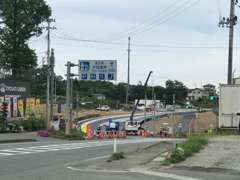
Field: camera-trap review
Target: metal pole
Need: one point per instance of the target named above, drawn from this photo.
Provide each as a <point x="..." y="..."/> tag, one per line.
<point x="145" y="106"/>
<point x="114" y="145"/>
<point x="68" y="93"/>
<point x="77" y="104"/>
<point x="128" y="74"/>
<point x="231" y="32"/>
<point x="174" y="96"/>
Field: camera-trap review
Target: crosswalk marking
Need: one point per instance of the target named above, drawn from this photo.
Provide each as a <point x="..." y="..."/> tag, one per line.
<point x="68" y="146"/>
<point x="6" y="154"/>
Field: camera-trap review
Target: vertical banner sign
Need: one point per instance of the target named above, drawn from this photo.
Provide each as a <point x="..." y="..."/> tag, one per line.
<point x="15" y="109"/>
<point x="59" y="107"/>
<point x="32" y="105"/>
<point x="20" y="107"/>
<point x="8" y="101"/>
<point x="27" y="107"/>
<point x="37" y="106"/>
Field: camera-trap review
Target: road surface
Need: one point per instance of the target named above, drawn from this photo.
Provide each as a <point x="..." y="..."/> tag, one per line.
<point x="48" y="160"/>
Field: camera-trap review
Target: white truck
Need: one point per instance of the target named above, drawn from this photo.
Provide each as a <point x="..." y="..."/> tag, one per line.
<point x="229" y="106"/>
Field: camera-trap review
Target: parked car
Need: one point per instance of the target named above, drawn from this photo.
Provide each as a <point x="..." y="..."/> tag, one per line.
<point x="103" y="108"/>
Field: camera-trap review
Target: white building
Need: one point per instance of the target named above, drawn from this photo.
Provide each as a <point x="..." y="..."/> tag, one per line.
<point x="197" y="93"/>
<point x="149" y="104"/>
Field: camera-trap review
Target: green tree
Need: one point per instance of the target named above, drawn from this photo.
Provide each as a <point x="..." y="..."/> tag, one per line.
<point x="177" y="88"/>
<point x="21" y="20"/>
<point x="3" y="115"/>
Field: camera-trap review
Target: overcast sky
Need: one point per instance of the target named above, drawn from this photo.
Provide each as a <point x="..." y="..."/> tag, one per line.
<point x="169" y="29"/>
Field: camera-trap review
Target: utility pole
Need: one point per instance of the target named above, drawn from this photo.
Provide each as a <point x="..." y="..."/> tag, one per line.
<point x="128" y="73"/>
<point x="52" y="64"/>
<point x="174" y="102"/>
<point x="48" y="28"/>
<point x="230" y="22"/>
<point x="68" y="111"/>
<point x="68" y="94"/>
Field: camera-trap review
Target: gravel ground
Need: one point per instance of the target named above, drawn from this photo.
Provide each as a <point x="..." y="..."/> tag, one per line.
<point x="222" y="152"/>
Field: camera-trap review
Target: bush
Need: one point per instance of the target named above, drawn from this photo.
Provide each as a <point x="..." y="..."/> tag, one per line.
<point x="75" y="135"/>
<point x="34" y="124"/>
<point x="186" y="149"/>
<point x="117" y="156"/>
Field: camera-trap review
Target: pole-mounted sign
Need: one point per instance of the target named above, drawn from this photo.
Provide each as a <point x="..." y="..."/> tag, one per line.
<point x="97" y="70"/>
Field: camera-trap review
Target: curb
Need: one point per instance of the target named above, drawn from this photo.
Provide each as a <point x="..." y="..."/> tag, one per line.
<point x="16" y="141"/>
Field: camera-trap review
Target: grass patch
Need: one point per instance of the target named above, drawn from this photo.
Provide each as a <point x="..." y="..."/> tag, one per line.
<point x="227" y="132"/>
<point x="188" y="148"/>
<point x="116" y="157"/>
<point x="74" y="135"/>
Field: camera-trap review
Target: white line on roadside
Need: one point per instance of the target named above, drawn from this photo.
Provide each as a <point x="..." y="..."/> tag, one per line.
<point x="96" y="170"/>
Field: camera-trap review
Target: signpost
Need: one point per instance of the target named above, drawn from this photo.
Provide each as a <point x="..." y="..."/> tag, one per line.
<point x="95" y="70"/>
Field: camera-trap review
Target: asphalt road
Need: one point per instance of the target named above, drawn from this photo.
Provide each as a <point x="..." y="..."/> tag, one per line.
<point x="48" y="160"/>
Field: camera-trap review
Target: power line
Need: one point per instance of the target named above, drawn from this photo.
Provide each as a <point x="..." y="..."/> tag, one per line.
<point x="150" y="18"/>
<point x="140" y="45"/>
<point x="177" y="12"/>
<point x="171" y="14"/>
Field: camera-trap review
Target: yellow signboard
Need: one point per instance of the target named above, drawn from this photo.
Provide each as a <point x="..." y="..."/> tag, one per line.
<point x="32" y="105"/>
<point x="20" y="107"/>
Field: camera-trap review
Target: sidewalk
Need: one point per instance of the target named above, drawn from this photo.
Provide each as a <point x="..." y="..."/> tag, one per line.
<point x="222" y="152"/>
<point x="25" y="135"/>
<point x="133" y="159"/>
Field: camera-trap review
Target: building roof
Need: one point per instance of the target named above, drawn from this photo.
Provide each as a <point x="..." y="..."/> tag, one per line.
<point x="209" y="85"/>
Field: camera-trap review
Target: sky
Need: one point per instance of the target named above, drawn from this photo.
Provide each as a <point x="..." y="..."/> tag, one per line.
<point x="177" y="39"/>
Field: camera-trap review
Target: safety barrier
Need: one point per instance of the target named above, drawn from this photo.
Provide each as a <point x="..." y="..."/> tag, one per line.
<point x="110" y="134"/>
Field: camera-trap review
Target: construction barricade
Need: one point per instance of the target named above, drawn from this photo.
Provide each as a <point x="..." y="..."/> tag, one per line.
<point x="110" y="134"/>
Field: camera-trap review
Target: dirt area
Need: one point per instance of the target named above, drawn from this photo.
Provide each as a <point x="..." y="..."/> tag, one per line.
<point x="156" y="125"/>
<point x="222" y="152"/>
<point x="205" y="120"/>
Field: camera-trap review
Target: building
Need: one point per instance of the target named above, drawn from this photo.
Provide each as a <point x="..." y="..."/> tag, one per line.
<point x="99" y="96"/>
<point x="210" y="89"/>
<point x="236" y="80"/>
<point x="196" y="94"/>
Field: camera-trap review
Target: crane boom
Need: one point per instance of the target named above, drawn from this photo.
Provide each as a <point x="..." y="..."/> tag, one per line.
<point x="138" y="100"/>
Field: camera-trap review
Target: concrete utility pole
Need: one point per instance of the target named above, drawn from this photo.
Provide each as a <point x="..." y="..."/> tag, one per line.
<point x="68" y="111"/>
<point x="230" y="22"/>
<point x="68" y="94"/>
<point x="128" y="75"/>
<point x="52" y="76"/>
<point x="230" y="51"/>
<point x="49" y="28"/>
<point x="174" y="102"/>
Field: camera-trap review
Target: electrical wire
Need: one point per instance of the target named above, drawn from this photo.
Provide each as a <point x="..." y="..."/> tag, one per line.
<point x="146" y="21"/>
<point x="140" y="45"/>
<point x="170" y="14"/>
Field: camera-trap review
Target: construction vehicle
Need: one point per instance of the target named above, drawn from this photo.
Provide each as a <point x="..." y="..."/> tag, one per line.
<point x="131" y="126"/>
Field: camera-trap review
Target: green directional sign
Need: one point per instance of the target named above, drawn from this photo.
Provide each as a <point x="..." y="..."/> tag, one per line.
<point x="211" y="98"/>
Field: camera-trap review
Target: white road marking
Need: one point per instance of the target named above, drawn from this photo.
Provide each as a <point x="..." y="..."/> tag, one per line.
<point x="15" y="151"/>
<point x="96" y="170"/>
<point x="6" y="154"/>
<point x="161" y="174"/>
<point x="72" y="146"/>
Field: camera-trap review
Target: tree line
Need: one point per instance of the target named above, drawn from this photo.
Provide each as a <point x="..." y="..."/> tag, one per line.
<point x="20" y="20"/>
